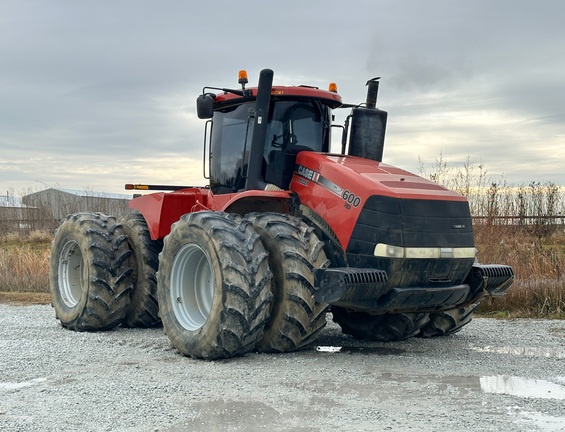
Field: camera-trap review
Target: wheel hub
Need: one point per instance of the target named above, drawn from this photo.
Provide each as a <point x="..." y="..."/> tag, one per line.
<point x="192" y="287"/>
<point x="70" y="275"/>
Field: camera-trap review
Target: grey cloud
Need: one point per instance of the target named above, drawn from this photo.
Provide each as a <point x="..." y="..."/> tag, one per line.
<point x="121" y="78"/>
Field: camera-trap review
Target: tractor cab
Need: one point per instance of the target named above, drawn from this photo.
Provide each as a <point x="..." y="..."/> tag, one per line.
<point x="292" y="120"/>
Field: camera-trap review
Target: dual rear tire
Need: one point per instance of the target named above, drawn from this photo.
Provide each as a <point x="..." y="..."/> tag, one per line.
<point x="102" y="272"/>
<point x="90" y="272"/>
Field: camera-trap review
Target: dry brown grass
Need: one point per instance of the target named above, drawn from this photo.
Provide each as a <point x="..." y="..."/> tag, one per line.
<point x="24" y="298"/>
<point x="538" y="262"/>
<point x="24" y="263"/>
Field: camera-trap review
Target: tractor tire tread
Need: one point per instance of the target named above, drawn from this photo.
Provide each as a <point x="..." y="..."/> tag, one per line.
<point x="105" y="296"/>
<point x="386" y="327"/>
<point x="237" y="326"/>
<point x="144" y="307"/>
<point x="449" y="322"/>
<point x="294" y="253"/>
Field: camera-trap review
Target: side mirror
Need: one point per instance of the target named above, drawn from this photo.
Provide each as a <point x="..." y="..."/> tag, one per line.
<point x="205" y="106"/>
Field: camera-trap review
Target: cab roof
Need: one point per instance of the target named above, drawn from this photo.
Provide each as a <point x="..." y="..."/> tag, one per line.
<point x="283" y="92"/>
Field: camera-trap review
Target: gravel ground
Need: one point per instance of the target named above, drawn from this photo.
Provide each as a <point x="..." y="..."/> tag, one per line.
<point x="492" y="376"/>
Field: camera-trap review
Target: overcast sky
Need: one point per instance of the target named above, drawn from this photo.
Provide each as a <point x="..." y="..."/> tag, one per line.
<point x="96" y="94"/>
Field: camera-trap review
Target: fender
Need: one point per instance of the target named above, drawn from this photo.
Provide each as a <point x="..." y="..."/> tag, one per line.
<point x="161" y="209"/>
<point x="254" y="200"/>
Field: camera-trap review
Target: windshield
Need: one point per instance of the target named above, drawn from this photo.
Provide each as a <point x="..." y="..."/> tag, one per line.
<point x="231" y="140"/>
<point x="294" y="126"/>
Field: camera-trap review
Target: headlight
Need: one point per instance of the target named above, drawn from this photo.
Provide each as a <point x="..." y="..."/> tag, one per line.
<point x="390" y="251"/>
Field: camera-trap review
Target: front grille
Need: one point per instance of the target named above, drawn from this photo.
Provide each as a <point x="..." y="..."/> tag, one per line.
<point x="411" y="223"/>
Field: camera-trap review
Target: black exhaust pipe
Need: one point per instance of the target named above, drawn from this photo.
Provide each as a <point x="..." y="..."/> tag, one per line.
<point x="368" y="126"/>
<point x="254" y="180"/>
<point x="372" y="92"/>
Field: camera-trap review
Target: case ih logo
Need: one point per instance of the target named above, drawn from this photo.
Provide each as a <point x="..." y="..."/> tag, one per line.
<point x="307" y="173"/>
<point x="349" y="197"/>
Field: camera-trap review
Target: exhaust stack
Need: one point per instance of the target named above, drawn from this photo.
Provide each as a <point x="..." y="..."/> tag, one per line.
<point x="372" y="92"/>
<point x="368" y="125"/>
<point x="254" y="179"/>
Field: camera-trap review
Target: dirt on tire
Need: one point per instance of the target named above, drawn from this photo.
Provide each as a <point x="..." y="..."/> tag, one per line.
<point x="143" y="310"/>
<point x="294" y="253"/>
<point x="218" y="307"/>
<point x="89" y="272"/>
<point x="386" y="327"/>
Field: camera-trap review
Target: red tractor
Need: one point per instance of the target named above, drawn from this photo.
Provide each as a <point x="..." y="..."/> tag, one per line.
<point x="285" y="232"/>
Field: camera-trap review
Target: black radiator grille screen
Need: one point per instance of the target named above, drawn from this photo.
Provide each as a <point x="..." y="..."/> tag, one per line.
<point x="411" y="223"/>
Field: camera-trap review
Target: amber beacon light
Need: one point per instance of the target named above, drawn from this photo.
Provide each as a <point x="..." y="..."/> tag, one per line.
<point x="242" y="79"/>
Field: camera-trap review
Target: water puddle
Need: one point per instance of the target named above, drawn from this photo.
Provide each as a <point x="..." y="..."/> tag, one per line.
<point x="557" y="353"/>
<point x="544" y="422"/>
<point x="522" y="387"/>
<point x="361" y="350"/>
<point x="495" y="384"/>
<point x="16" y="386"/>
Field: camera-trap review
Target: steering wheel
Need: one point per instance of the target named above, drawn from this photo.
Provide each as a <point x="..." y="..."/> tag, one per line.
<point x="292" y="140"/>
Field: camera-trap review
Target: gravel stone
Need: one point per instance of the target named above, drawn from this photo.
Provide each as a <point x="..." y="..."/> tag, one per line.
<point x="494" y="375"/>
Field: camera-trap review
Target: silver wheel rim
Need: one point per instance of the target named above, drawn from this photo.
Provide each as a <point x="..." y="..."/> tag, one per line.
<point x="71" y="276"/>
<point x="192" y="287"/>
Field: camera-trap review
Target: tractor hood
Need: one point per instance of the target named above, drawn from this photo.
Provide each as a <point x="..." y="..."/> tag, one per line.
<point x="338" y="188"/>
<point x="366" y="177"/>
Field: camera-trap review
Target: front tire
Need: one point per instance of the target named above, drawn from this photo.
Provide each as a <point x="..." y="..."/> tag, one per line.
<point x="213" y="285"/>
<point x="294" y="253"/>
<point x="386" y="327"/>
<point x="449" y="321"/>
<point x="89" y="272"/>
